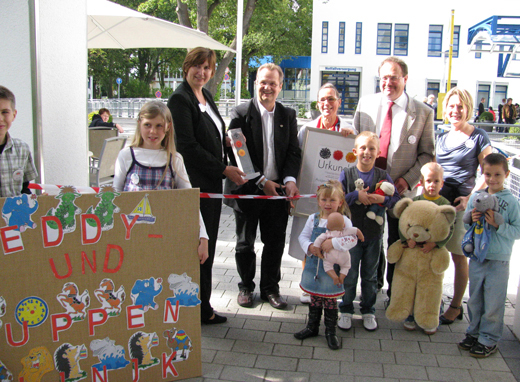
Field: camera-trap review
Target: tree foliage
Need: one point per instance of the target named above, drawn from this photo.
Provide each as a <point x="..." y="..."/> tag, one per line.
<point x="278" y="28"/>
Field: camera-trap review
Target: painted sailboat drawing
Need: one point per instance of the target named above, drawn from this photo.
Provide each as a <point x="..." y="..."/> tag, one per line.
<point x="143" y="211"/>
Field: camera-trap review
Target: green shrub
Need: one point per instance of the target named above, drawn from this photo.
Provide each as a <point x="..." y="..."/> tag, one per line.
<point x="314" y="105"/>
<point x="136" y="89"/>
<point x="514" y="130"/>
<point x="301" y="110"/>
<point x="486" y="117"/>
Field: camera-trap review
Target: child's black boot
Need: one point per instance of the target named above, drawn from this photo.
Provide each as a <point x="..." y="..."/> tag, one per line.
<point x="331" y="319"/>
<point x="313" y="326"/>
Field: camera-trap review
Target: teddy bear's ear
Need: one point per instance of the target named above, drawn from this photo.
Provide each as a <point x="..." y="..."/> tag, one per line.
<point x="401" y="205"/>
<point x="449" y="213"/>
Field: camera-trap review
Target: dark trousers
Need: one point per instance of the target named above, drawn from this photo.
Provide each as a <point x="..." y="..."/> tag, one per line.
<point x="210" y="209"/>
<point x="272" y="216"/>
<point x="393" y="236"/>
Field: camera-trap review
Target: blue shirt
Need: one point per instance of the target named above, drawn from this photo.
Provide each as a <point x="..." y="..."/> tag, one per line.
<point x="460" y="163"/>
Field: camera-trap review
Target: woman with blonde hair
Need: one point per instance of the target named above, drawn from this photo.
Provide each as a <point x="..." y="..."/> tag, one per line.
<point x="460" y="152"/>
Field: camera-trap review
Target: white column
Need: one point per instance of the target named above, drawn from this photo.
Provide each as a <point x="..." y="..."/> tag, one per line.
<point x="44" y="62"/>
<point x="61" y="45"/>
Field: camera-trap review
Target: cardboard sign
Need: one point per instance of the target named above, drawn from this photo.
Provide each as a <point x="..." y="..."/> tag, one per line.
<point x="100" y="287"/>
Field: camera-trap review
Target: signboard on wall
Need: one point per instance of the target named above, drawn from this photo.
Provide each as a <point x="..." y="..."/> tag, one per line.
<point x="100" y="287"/>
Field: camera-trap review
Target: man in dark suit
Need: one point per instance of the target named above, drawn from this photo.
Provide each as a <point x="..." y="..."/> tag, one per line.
<point x="270" y="130"/>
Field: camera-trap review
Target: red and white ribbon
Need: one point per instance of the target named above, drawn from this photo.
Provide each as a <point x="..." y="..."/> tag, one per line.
<point x="51" y="188"/>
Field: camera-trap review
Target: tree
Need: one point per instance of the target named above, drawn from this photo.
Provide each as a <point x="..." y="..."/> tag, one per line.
<point x="288" y="32"/>
<point x="204" y="14"/>
<point x="289" y="28"/>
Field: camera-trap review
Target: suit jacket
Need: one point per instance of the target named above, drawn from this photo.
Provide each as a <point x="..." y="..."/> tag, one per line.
<point x="286" y="149"/>
<point x="198" y="139"/>
<point x="417" y="141"/>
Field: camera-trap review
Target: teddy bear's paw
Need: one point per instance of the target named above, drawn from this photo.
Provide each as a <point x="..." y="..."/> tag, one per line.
<point x="440" y="262"/>
<point x="371" y="215"/>
<point x="427" y="323"/>
<point x="396" y="314"/>
<point x="380" y="220"/>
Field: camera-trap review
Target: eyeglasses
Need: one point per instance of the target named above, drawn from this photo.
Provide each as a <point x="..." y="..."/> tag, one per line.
<point x="390" y="78"/>
<point x="330" y="99"/>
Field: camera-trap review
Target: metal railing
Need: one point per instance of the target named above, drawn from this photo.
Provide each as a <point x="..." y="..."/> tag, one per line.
<point x="129" y="107"/>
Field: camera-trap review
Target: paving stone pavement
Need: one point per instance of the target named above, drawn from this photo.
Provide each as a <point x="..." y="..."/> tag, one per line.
<point x="257" y="344"/>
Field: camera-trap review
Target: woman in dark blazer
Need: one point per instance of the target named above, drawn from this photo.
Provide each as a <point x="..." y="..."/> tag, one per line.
<point x="200" y="138"/>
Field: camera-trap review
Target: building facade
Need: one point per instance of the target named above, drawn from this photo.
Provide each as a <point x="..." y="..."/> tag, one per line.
<point x="350" y="39"/>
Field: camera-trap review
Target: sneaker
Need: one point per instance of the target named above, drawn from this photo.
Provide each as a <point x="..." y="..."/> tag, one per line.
<point x="369" y="322"/>
<point x="467" y="343"/>
<point x="345" y="321"/>
<point x="482" y="351"/>
<point x="386" y="303"/>
<point x="409" y="323"/>
<point x="305" y="298"/>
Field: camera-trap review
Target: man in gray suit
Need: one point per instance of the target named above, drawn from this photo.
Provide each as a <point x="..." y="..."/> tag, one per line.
<point x="411" y="142"/>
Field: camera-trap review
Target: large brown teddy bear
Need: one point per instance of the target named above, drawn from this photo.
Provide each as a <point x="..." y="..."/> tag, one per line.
<point x="417" y="282"/>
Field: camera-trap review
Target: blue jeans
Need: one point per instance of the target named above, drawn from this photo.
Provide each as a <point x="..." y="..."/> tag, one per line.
<point x="366" y="253"/>
<point x="487" y="297"/>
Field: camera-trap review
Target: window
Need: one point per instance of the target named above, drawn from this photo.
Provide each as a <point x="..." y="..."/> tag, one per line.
<point x="433" y="88"/>
<point x="435" y="41"/>
<point x="384" y="38"/>
<point x="296" y="83"/>
<point x="348" y="84"/>
<point x="483" y="92"/>
<point x="341" y="42"/>
<point x="358" y="38"/>
<point x="500" y="94"/>
<point x="401" y="40"/>
<point x="324" y="36"/>
<point x="456" y="39"/>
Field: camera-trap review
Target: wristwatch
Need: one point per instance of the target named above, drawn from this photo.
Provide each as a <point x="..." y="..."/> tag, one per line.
<point x="261" y="183"/>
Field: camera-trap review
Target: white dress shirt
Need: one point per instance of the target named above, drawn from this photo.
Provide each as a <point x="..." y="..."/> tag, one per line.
<point x="398" y="119"/>
<point x="270" y="170"/>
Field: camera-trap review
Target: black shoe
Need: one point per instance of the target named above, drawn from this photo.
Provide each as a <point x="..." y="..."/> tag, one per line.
<point x="313" y="325"/>
<point x="446" y="321"/>
<point x="245" y="298"/>
<point x="215" y="320"/>
<point x="275" y="300"/>
<point x="467" y="343"/>
<point x="306" y="333"/>
<point x="482" y="351"/>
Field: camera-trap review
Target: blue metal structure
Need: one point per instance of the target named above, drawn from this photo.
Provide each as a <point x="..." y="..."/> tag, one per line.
<point x="498" y="34"/>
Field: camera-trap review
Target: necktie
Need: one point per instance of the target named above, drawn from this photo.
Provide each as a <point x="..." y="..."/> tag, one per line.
<point x="384" y="138"/>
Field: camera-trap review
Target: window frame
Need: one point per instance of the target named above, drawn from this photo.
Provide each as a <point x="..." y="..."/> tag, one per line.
<point x="385" y="34"/>
<point x="359" y="37"/>
<point x="324" y="37"/>
<point x="400" y="39"/>
<point x="341" y="38"/>
<point x="435" y="40"/>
